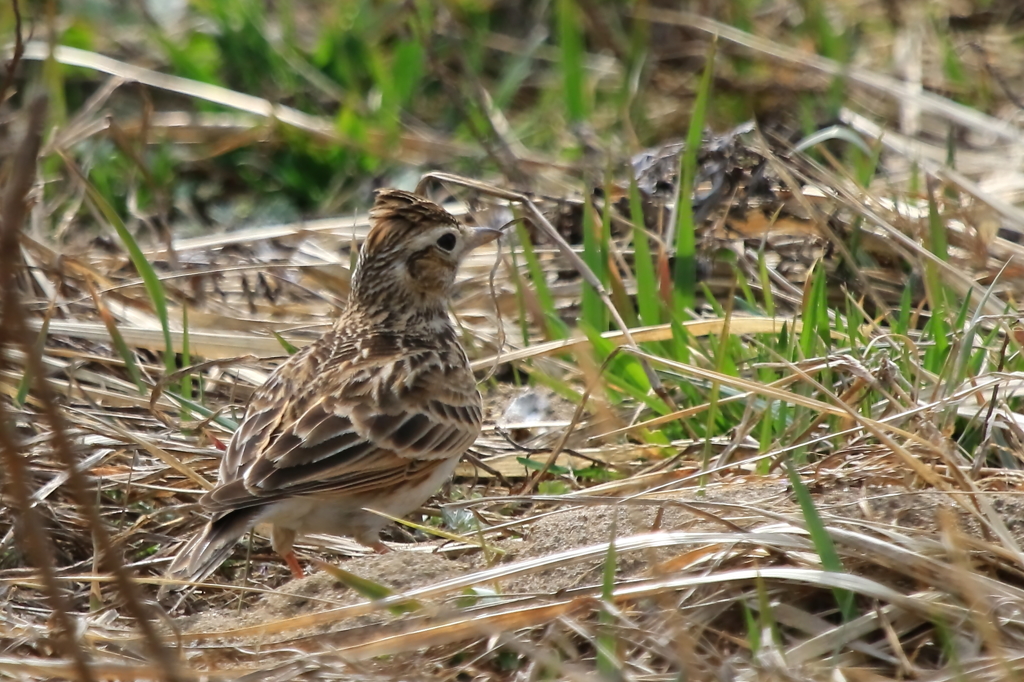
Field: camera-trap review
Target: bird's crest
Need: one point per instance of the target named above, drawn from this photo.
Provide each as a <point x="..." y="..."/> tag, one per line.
<point x="396" y="214"/>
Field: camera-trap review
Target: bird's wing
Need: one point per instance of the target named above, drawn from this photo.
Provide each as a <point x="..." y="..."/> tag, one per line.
<point x="356" y="426"/>
<point x="267" y="409"/>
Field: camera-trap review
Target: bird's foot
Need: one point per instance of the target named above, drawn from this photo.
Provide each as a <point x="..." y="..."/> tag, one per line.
<point x="293" y="564"/>
<point x="379" y="547"/>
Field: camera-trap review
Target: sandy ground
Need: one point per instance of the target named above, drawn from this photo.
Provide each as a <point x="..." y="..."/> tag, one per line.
<point x="402" y="570"/>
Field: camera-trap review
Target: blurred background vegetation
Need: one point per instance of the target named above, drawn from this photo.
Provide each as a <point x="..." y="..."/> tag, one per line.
<point x="534" y="92"/>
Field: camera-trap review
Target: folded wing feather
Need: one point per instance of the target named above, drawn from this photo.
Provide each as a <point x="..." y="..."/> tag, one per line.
<point x="366" y="439"/>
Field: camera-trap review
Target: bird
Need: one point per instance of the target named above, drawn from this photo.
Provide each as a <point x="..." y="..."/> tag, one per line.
<point x="374" y="415"/>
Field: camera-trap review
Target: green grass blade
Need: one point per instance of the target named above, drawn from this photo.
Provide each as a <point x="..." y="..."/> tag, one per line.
<point x="556" y="329"/>
<point x="902" y="323"/>
<point x="681" y="340"/>
<point x="524" y="320"/>
<point x="853" y="323"/>
<point x="37" y="351"/>
<point x="753" y="629"/>
<point x="288" y="348"/>
<point x="937" y="243"/>
<point x="570" y="43"/>
<point x="809" y="330"/>
<point x="607" y="661"/>
<point x="519" y="68"/>
<point x="769" y="624"/>
<point x="937" y="325"/>
<point x="610" y="272"/>
<point x="648" y="299"/>
<point x="821" y="310"/>
<point x="766" y="282"/>
<point x="534" y="465"/>
<point x="594" y="312"/>
<point x="822" y="540"/>
<point x="115" y="336"/>
<point x="150" y="280"/>
<point x="370" y="589"/>
<point x="186" y="378"/>
<point x="685" y="271"/>
<point x="202" y="411"/>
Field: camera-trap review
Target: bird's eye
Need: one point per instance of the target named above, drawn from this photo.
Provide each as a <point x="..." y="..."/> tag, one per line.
<point x="446" y="241"/>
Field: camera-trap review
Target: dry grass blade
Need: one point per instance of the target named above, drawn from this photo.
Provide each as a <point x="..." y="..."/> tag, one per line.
<point x="40" y="669"/>
<point x="71" y="56"/>
<point x="506" y="572"/>
<point x="208" y="344"/>
<point x="927" y="101"/>
<point x="926" y="156"/>
<point x="661" y="332"/>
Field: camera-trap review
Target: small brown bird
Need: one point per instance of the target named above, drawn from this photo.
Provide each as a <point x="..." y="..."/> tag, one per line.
<point x="373" y="415"/>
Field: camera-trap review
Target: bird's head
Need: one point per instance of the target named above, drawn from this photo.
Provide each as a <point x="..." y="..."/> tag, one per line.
<point x="411" y="254"/>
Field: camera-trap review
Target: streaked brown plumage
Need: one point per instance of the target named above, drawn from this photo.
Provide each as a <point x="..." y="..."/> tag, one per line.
<point x="375" y="414"/>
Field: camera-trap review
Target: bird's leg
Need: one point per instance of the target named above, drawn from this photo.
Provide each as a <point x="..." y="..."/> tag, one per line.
<point x="369" y="535"/>
<point x="282" y="540"/>
<point x="293" y="564"/>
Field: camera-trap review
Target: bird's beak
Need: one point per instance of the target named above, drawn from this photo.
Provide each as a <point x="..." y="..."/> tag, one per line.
<point x="479" y="236"/>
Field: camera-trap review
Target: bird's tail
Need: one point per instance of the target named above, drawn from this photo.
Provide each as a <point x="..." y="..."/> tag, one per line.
<point x="205" y="552"/>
